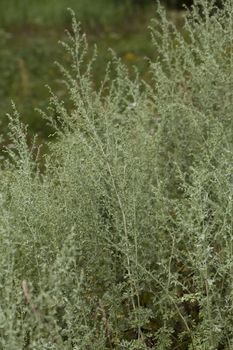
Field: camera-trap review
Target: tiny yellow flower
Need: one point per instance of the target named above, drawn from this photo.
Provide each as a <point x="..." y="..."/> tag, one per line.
<point x="130" y="56"/>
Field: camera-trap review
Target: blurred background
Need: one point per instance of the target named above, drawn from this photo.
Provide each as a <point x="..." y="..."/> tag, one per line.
<point x="29" y="35"/>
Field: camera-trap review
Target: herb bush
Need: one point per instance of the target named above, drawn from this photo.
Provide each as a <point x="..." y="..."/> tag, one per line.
<point x="123" y="238"/>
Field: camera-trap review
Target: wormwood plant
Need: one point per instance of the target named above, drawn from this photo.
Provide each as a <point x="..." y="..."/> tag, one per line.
<point x="124" y="239"/>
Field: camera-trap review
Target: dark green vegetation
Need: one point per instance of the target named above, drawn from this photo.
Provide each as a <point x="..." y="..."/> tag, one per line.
<point x="123" y="239"/>
<point x="29" y="37"/>
<point x="52" y="11"/>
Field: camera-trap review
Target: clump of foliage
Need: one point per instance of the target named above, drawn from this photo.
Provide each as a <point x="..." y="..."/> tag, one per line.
<point x="123" y="240"/>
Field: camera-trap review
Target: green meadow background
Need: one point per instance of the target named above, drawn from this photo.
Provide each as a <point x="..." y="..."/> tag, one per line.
<point x="29" y="35"/>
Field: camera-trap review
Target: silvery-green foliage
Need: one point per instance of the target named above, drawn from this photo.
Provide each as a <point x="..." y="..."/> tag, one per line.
<point x="124" y="239"/>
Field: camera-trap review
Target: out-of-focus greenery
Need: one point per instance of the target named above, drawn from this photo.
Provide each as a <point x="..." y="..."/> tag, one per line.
<point x="29" y="32"/>
<point x="21" y="12"/>
<point x="52" y="11"/>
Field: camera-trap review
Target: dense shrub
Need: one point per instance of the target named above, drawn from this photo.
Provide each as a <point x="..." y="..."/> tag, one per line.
<point x="123" y="239"/>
